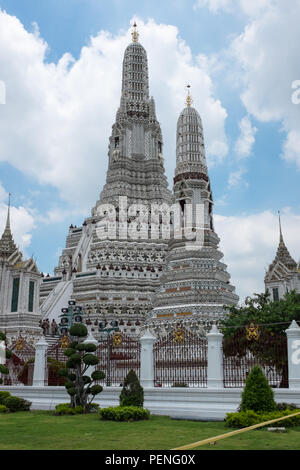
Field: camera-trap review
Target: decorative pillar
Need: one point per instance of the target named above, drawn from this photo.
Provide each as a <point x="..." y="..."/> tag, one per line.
<point x="91" y="340"/>
<point x="293" y="345"/>
<point x="215" y="358"/>
<point x="147" y="362"/>
<point x="40" y="365"/>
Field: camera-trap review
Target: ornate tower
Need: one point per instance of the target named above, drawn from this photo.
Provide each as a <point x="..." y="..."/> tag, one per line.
<point x="115" y="278"/>
<point x="195" y="284"/>
<point x="19" y="290"/>
<point x="283" y="274"/>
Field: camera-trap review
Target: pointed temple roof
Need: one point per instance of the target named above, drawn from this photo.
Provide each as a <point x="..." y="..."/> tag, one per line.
<point x="282" y="255"/>
<point x="7" y="244"/>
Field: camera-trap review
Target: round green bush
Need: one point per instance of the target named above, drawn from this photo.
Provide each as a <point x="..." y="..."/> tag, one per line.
<point x="15" y="404"/>
<point x="65" y="409"/>
<point x="69" y="352"/>
<point x="90" y="360"/>
<point x="96" y="389"/>
<point x="124" y="413"/>
<point x="98" y="375"/>
<point x="257" y="394"/>
<point x="79" y="330"/>
<point x="3" y="396"/>
<point x="90" y="347"/>
<point x="3" y="409"/>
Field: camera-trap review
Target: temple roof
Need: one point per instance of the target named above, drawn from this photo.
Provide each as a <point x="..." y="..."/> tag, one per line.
<point x="282" y="256"/>
<point x="7" y="244"/>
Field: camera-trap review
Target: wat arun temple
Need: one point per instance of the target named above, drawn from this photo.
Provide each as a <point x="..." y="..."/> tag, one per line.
<point x="149" y="280"/>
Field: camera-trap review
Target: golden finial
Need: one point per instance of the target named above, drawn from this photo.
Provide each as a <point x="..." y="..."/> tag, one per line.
<point x="135" y="34"/>
<point x="189" y="99"/>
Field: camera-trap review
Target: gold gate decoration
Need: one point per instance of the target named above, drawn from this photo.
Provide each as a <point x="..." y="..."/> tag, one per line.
<point x="117" y="340"/>
<point x="252" y="332"/>
<point x="64" y="342"/>
<point x="179" y="336"/>
<point x="19" y="344"/>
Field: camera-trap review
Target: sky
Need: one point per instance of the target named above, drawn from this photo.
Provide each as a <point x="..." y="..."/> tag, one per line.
<point x="61" y="63"/>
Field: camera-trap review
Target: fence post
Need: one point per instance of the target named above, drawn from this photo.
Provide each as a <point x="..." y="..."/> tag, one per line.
<point x="214" y="358"/>
<point x="40" y="365"/>
<point x="293" y="344"/>
<point x="147" y="363"/>
<point x="91" y="340"/>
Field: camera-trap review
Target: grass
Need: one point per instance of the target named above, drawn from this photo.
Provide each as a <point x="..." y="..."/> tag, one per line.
<point x="41" y="430"/>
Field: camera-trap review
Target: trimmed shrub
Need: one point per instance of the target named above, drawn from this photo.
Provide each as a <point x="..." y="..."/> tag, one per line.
<point x="3" y="396"/>
<point x="132" y="393"/>
<point x="286" y="406"/>
<point x="3" y="409"/>
<point x="15" y="404"/>
<point x="250" y="417"/>
<point x="78" y="330"/>
<point x="257" y="394"/>
<point x="65" y="409"/>
<point x="124" y="413"/>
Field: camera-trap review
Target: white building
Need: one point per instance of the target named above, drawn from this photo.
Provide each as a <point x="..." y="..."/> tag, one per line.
<point x="283" y="274"/>
<point x="19" y="291"/>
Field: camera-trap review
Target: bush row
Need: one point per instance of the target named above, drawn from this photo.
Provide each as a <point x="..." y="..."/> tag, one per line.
<point x="247" y="418"/>
<point x="124" y="413"/>
<point x="13" y="404"/>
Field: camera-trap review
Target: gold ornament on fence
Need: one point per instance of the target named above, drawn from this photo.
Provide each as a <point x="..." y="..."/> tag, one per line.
<point x="117" y="340"/>
<point x="64" y="342"/>
<point x="19" y="344"/>
<point x="252" y="332"/>
<point x="178" y="336"/>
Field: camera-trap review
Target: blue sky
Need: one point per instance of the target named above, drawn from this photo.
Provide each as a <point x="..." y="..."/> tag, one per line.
<point x="54" y="161"/>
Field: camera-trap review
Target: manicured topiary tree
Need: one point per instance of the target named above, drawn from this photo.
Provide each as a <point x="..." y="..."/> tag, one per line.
<point x="81" y="388"/>
<point x="132" y="393"/>
<point x="3" y="369"/>
<point x="257" y="394"/>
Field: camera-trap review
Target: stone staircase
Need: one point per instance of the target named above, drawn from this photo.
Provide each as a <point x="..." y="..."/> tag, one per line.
<point x="51" y="340"/>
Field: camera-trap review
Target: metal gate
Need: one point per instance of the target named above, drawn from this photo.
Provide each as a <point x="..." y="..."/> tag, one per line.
<point x="180" y="360"/>
<point x="21" y="363"/>
<point x="117" y="355"/>
<point x="244" y="350"/>
<point x="56" y="360"/>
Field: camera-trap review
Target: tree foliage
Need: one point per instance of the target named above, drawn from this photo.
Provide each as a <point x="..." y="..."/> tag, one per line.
<point x="260" y="309"/>
<point x="257" y="394"/>
<point x="3" y="369"/>
<point x="272" y="318"/>
<point x="132" y="393"/>
<point x="81" y="388"/>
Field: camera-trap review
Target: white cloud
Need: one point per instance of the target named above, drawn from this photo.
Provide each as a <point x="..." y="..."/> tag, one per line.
<point x="236" y="178"/>
<point x="249" y="7"/>
<point x="56" y="124"/>
<point x="22" y="221"/>
<point x="249" y="243"/>
<point x="268" y="55"/>
<point x="246" y="139"/>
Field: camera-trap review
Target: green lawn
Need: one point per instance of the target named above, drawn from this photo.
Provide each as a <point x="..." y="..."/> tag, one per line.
<point x="42" y="430"/>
